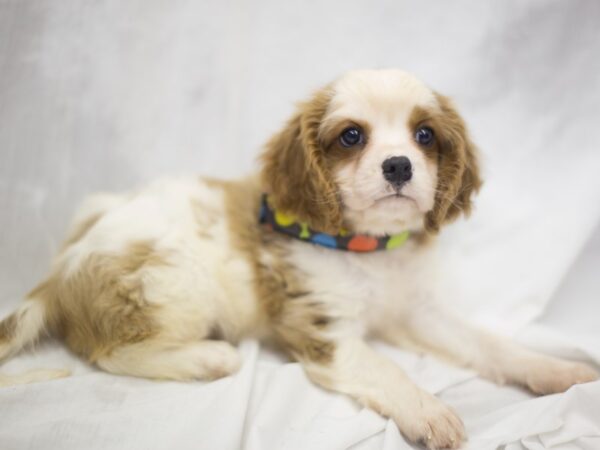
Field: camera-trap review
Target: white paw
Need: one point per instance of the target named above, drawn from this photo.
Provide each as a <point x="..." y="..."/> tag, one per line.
<point x="549" y="375"/>
<point x="217" y="359"/>
<point x="430" y="422"/>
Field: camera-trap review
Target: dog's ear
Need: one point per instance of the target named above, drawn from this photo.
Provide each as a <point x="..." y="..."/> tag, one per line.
<point x="295" y="172"/>
<point x="458" y="168"/>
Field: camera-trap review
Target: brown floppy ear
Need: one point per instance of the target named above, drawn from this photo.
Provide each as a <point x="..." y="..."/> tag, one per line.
<point x="458" y="168"/>
<point x="295" y="172"/>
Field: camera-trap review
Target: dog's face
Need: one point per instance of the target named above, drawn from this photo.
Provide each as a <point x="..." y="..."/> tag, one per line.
<point x="377" y="152"/>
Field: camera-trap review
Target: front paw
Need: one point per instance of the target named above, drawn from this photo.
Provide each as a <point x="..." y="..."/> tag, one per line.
<point x="550" y="376"/>
<point x="429" y="421"/>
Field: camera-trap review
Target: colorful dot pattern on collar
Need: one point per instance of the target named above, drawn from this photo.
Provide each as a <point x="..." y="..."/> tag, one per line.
<point x="286" y="224"/>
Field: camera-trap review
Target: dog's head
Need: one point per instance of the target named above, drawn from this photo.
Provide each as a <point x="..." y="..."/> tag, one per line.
<point x="377" y="152"/>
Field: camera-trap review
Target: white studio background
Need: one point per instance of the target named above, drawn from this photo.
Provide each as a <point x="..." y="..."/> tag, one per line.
<point x="105" y="95"/>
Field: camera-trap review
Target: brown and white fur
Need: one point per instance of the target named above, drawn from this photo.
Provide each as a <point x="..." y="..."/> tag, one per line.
<point x="162" y="282"/>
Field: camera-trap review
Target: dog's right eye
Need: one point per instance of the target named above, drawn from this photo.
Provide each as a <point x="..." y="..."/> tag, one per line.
<point x="351" y="136"/>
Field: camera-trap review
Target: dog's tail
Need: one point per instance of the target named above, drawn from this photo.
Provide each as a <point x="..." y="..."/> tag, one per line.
<point x="33" y="376"/>
<point x="22" y="329"/>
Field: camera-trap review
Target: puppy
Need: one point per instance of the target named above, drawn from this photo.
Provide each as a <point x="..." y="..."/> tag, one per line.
<point x="330" y="244"/>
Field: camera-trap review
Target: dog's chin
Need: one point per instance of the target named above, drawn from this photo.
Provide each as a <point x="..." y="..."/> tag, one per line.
<point x="389" y="214"/>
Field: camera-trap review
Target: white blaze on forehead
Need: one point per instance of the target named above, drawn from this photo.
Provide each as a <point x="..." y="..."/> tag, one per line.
<point x="380" y="95"/>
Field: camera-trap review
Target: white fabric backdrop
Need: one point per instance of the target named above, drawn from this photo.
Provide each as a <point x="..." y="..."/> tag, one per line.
<point x="105" y="95"/>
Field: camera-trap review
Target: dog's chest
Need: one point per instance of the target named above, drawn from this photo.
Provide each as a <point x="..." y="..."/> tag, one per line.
<point x="364" y="287"/>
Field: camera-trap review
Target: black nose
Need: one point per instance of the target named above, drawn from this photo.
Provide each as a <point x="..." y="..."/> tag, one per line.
<point x="397" y="169"/>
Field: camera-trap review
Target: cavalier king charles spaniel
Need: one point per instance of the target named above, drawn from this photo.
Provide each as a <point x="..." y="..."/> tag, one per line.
<point x="329" y="245"/>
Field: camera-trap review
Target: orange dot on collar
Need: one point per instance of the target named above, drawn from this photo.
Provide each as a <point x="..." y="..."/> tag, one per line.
<point x="361" y="243"/>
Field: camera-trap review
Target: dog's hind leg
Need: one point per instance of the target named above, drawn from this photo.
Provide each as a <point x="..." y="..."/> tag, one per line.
<point x="159" y="359"/>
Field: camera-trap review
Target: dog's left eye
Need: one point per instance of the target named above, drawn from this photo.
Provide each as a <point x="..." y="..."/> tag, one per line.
<point x="351" y="136"/>
<point x="424" y="136"/>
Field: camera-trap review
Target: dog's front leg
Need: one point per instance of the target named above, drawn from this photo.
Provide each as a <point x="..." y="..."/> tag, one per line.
<point x="376" y="382"/>
<point x="431" y="328"/>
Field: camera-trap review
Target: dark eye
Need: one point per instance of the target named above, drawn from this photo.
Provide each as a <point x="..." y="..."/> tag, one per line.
<point x="351" y="136"/>
<point x="424" y="136"/>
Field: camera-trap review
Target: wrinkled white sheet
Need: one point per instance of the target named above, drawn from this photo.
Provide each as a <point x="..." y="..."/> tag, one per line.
<point x="102" y="95"/>
<point x="270" y="404"/>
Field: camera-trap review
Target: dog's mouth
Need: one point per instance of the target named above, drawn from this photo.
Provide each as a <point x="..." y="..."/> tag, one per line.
<point x="395" y="200"/>
<point x="394" y="196"/>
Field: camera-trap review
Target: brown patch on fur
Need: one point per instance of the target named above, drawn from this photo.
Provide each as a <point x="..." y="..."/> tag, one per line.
<point x="456" y="157"/>
<point x="101" y="306"/>
<point x="336" y="154"/>
<point x="296" y="173"/>
<point x="296" y="318"/>
<point x="8" y="328"/>
<point x="329" y="137"/>
<point x="424" y="117"/>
